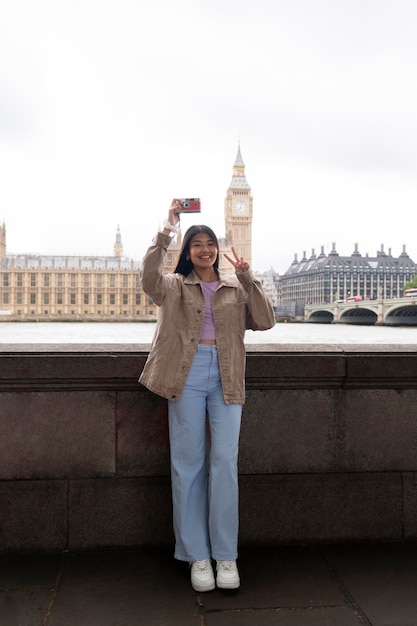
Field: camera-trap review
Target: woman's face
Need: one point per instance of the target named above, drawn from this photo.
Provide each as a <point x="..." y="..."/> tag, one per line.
<point x="203" y="251"/>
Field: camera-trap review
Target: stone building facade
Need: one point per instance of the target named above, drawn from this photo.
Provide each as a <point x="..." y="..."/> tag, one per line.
<point x="326" y="278"/>
<point x="62" y="287"/>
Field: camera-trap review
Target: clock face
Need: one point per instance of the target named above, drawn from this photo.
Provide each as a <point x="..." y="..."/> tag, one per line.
<point x="240" y="207"/>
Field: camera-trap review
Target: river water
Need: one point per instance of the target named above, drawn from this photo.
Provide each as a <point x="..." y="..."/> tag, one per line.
<point x="141" y="333"/>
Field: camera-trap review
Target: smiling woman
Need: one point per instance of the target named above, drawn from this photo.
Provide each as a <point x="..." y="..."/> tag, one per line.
<point x="197" y="362"/>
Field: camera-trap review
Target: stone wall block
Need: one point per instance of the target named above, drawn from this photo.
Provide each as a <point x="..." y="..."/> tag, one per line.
<point x="380" y="429"/>
<point x="288" y="431"/>
<point x="313" y="507"/>
<point x="33" y="515"/>
<point x="410" y="505"/>
<point x="57" y="434"/>
<point x="142" y="435"/>
<point x="293" y="369"/>
<point x="127" y="513"/>
<point x="363" y="368"/>
<point x="77" y="366"/>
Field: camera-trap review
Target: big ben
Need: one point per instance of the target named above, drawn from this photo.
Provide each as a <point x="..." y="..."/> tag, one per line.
<point x="238" y="211"/>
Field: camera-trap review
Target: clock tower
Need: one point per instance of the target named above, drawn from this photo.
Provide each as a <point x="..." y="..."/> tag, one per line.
<point x="238" y="212"/>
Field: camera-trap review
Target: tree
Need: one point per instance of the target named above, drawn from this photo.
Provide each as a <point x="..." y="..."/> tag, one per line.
<point x="412" y="284"/>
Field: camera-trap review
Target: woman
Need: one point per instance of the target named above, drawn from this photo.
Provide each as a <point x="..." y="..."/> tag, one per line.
<point x="197" y="362"/>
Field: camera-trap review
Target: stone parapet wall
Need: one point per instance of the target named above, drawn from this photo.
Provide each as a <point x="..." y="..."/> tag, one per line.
<point x="328" y="447"/>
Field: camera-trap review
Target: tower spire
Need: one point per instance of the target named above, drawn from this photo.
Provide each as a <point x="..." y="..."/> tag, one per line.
<point x="2" y="241"/>
<point x="239" y="161"/>
<point x="118" y="246"/>
<point x="239" y="179"/>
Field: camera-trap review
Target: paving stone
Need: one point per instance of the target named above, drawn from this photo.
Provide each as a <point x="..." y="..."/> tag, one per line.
<point x="311" y="617"/>
<point x="124" y="589"/>
<point x="381" y="578"/>
<point x="23" y="608"/>
<point x="284" y="577"/>
<point x="26" y="587"/>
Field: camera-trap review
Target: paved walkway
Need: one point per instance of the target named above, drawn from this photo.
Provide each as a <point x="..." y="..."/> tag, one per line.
<point x="339" y="585"/>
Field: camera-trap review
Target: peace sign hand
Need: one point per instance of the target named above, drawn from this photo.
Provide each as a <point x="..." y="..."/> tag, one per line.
<point x="238" y="262"/>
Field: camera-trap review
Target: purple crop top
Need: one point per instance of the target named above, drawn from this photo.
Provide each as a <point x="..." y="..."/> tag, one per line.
<point x="208" y="332"/>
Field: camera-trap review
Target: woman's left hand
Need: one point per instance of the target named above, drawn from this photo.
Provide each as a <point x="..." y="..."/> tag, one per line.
<point x="238" y="263"/>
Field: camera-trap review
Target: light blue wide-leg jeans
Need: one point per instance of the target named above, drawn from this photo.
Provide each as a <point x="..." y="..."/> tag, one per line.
<point x="204" y="486"/>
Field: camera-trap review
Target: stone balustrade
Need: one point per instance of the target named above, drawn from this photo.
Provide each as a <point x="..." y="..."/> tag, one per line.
<point x="328" y="447"/>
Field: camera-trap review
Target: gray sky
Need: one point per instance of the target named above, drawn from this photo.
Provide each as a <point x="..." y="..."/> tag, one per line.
<point x="110" y="108"/>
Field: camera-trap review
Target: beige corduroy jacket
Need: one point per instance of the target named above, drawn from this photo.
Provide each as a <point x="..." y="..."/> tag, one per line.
<point x="239" y="303"/>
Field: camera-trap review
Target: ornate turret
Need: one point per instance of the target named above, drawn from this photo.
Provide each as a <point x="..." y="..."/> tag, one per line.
<point x="118" y="246"/>
<point x="2" y="241"/>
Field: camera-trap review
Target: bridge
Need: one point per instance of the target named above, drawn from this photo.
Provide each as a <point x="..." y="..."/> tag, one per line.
<point x="390" y="312"/>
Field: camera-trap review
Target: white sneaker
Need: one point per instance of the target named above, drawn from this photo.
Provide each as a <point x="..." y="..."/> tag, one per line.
<point x="202" y="578"/>
<point x="227" y="575"/>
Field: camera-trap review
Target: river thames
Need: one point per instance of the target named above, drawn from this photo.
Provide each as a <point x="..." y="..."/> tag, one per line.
<point x="141" y="333"/>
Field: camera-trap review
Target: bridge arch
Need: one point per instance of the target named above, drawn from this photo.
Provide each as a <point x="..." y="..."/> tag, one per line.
<point x="321" y="317"/>
<point x="359" y="316"/>
<point x="401" y="315"/>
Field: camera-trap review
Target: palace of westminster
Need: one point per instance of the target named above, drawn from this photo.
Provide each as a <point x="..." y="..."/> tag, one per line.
<point x="88" y="287"/>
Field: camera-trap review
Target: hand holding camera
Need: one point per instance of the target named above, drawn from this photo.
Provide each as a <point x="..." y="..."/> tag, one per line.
<point x="178" y="206"/>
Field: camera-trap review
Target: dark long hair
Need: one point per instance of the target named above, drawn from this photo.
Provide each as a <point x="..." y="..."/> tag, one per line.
<point x="184" y="265"/>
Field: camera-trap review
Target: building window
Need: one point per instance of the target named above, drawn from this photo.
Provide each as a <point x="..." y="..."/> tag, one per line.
<point x="46" y="280"/>
<point x="19" y="280"/>
<point x="73" y="280"/>
<point x="86" y="281"/>
<point x="112" y="281"/>
<point x="99" y="281"/>
<point x="125" y="282"/>
<point x="5" y="298"/>
<point x="59" y="280"/>
<point x="59" y="298"/>
<point x="112" y="298"/>
<point x="19" y="298"/>
<point x="33" y="298"/>
<point x="125" y="299"/>
<point x="46" y="298"/>
<point x="138" y="298"/>
<point x="5" y="280"/>
<point x="86" y="298"/>
<point x="73" y="299"/>
<point x="33" y="280"/>
<point x="99" y="298"/>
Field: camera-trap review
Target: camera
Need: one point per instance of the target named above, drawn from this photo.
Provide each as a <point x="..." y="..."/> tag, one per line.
<point x="190" y="205"/>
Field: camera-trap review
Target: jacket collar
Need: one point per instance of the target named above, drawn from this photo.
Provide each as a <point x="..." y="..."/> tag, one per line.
<point x="226" y="280"/>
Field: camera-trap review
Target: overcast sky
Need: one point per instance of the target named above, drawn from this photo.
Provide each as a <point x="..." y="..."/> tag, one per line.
<point x="110" y="108"/>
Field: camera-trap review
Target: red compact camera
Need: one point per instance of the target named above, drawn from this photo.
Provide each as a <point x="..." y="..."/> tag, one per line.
<point x="190" y="205"/>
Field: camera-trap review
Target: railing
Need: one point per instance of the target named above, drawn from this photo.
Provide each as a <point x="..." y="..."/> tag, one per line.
<point x="328" y="447"/>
